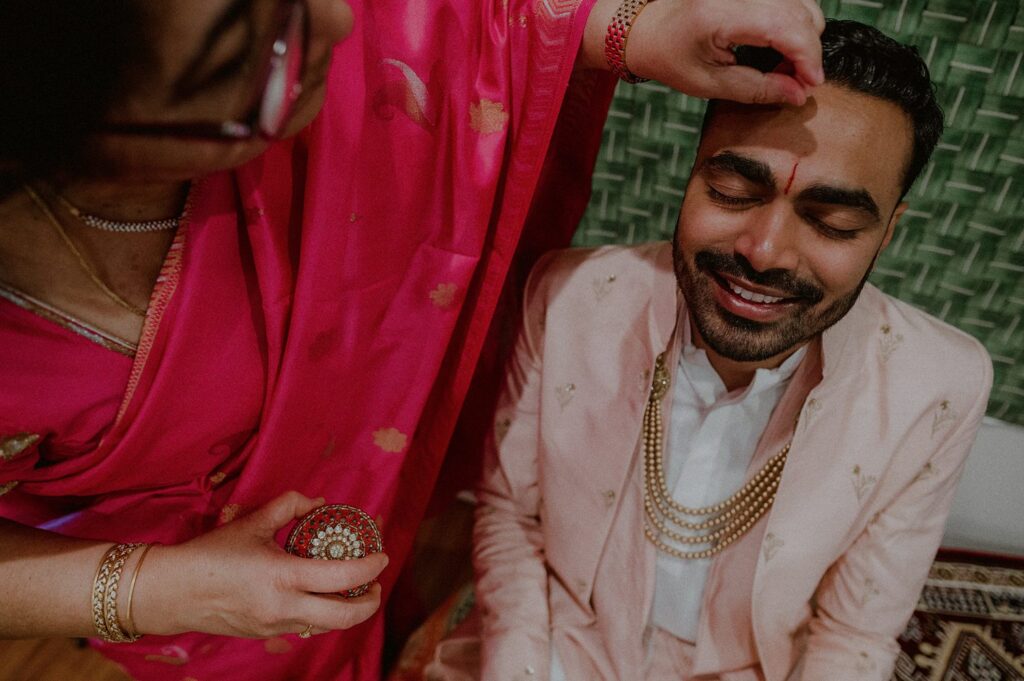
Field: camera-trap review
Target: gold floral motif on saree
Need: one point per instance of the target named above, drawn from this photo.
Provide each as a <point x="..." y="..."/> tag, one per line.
<point x="14" y="445"/>
<point x="444" y="295"/>
<point x="409" y="95"/>
<point x="487" y="117"/>
<point x="391" y="440"/>
<point x="229" y="513"/>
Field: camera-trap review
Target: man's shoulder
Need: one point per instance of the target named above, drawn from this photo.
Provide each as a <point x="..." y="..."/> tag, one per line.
<point x="566" y="270"/>
<point x="920" y="342"/>
<point x="604" y="292"/>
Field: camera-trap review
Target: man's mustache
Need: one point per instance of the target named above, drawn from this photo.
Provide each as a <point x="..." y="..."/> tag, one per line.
<point x="779" y="279"/>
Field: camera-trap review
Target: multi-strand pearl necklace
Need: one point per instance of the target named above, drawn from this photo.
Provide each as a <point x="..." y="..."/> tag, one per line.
<point x="716" y="526"/>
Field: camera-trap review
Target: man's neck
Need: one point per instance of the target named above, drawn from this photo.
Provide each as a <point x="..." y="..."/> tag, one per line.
<point x="736" y="374"/>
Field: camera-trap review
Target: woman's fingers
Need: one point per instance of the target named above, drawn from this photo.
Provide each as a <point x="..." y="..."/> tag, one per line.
<point x="335" y="576"/>
<point x="792" y="32"/>
<point x="236" y="581"/>
<point x="278" y="512"/>
<point x="749" y="85"/>
<point x="327" y="612"/>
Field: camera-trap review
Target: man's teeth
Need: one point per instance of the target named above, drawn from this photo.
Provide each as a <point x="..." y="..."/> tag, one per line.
<point x="751" y="296"/>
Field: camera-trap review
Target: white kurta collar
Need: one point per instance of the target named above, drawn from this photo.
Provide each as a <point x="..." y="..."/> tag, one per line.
<point x="696" y="368"/>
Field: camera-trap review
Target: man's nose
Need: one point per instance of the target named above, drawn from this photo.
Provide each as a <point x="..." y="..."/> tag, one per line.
<point x="770" y="240"/>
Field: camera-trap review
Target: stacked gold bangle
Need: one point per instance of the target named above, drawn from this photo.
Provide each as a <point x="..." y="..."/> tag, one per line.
<point x="105" y="590"/>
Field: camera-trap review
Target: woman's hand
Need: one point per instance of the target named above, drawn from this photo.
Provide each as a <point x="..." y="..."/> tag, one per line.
<point x="237" y="581"/>
<point x="687" y="44"/>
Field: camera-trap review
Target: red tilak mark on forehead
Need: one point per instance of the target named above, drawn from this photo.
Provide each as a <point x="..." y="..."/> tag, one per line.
<point x="792" y="176"/>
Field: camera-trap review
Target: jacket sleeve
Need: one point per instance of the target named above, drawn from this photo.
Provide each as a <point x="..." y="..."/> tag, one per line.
<point x="508" y="546"/>
<point x="865" y="599"/>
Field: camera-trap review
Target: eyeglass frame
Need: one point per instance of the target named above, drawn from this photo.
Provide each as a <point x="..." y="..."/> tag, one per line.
<point x="276" y="56"/>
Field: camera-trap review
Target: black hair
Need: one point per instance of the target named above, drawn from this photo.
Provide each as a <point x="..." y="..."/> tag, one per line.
<point x="865" y="60"/>
<point x="64" y="64"/>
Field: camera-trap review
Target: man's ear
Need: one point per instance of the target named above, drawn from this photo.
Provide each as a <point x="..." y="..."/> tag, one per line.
<point x="890" y="229"/>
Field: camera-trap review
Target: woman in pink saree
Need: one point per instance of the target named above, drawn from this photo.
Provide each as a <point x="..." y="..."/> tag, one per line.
<point x="308" y="327"/>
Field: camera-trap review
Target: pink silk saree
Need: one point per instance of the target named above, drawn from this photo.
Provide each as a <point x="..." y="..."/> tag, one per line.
<point x="319" y="318"/>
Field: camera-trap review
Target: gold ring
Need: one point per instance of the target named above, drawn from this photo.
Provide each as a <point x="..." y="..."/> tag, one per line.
<point x="307" y="632"/>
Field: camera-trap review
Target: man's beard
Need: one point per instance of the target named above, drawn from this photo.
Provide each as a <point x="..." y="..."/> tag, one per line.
<point x="745" y="340"/>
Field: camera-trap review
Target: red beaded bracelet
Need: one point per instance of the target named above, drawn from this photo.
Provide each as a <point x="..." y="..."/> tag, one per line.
<point x="615" y="39"/>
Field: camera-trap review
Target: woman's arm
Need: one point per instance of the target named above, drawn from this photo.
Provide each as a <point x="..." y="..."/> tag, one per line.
<point x="46" y="582"/>
<point x="234" y="581"/>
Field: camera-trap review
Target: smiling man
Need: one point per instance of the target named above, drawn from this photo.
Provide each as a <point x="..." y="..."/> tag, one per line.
<point x="731" y="457"/>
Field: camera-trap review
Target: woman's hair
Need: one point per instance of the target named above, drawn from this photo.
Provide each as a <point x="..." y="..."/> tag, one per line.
<point x="62" y="64"/>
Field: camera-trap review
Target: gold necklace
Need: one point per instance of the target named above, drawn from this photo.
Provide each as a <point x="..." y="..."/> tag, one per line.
<point x="723" y="523"/>
<point x="82" y="261"/>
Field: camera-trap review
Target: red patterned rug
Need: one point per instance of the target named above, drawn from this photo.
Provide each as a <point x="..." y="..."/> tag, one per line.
<point x="969" y="623"/>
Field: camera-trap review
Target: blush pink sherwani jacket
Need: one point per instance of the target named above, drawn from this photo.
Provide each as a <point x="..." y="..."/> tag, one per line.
<point x="882" y="414"/>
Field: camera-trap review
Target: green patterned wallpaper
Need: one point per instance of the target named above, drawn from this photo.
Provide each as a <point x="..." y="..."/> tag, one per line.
<point x="959" y="251"/>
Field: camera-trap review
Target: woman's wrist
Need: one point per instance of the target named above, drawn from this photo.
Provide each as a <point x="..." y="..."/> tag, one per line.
<point x="156" y="599"/>
<point x="591" y="52"/>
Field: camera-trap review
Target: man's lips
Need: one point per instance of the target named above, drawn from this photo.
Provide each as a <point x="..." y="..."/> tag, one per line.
<point x="753" y="292"/>
<point x="748" y="303"/>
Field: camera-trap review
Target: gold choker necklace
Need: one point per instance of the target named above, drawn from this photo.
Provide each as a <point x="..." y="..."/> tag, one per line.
<point x="715" y="526"/>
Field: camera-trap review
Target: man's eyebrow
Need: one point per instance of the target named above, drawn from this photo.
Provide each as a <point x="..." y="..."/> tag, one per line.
<point x="840" y="196"/>
<point x="751" y="169"/>
<point x="231" y="15"/>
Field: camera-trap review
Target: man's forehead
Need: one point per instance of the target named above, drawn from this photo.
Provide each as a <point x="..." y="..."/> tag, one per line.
<point x="838" y="131"/>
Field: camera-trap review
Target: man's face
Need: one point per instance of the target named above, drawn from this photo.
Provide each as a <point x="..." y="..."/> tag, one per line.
<point x="785" y="212"/>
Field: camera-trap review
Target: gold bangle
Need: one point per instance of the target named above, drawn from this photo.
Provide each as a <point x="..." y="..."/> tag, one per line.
<point x="98" y="588"/>
<point x="104" y="594"/>
<point x="129" y="622"/>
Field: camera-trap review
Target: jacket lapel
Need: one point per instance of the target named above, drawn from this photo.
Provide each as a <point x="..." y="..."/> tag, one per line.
<point x="806" y="525"/>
